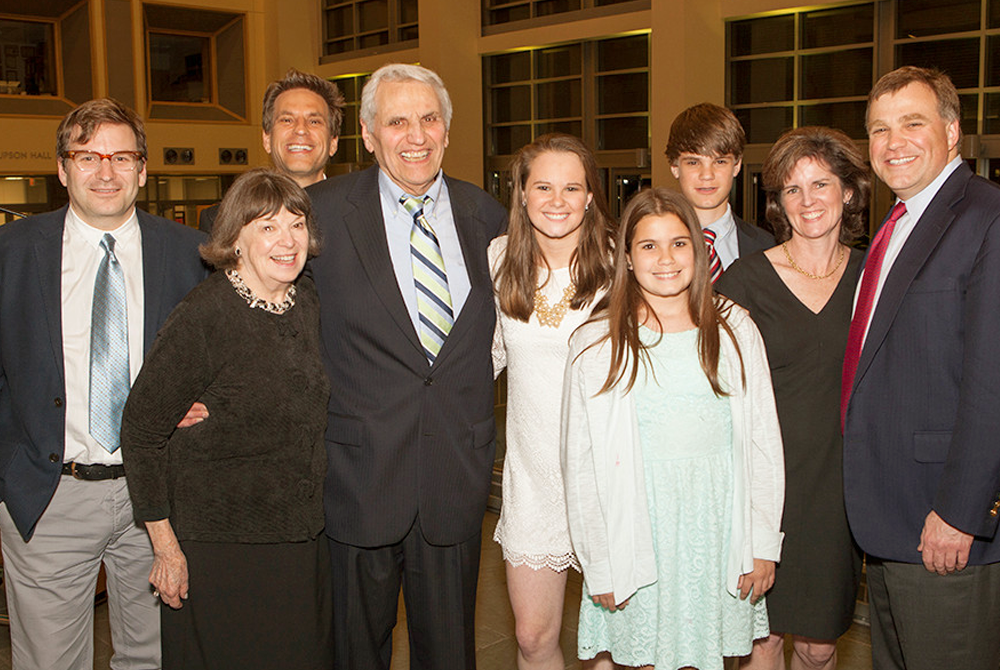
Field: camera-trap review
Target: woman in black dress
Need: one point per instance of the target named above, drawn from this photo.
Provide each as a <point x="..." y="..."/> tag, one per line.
<point x="800" y="294"/>
<point x="234" y="504"/>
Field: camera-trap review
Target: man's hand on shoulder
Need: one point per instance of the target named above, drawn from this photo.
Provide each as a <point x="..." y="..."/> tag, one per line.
<point x="945" y="548"/>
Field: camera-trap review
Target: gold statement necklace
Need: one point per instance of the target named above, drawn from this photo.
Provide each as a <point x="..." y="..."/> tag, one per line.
<point x="552" y="315"/>
<point x="795" y="266"/>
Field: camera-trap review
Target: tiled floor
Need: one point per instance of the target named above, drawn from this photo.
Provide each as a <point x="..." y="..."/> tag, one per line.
<point x="494" y="624"/>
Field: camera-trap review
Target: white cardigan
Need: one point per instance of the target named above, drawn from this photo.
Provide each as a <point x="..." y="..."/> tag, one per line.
<point x="603" y="471"/>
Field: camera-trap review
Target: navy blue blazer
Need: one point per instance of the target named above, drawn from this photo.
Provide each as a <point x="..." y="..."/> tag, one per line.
<point x="751" y="238"/>
<point x="32" y="381"/>
<point x="922" y="430"/>
<point x="403" y="437"/>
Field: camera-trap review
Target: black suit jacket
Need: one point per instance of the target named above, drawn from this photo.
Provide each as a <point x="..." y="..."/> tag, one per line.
<point x="751" y="238"/>
<point x="403" y="437"/>
<point x="206" y="219"/>
<point x="32" y="382"/>
<point x="922" y="429"/>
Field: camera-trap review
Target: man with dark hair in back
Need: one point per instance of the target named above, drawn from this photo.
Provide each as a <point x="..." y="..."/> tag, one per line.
<point x="301" y="126"/>
<point x="83" y="291"/>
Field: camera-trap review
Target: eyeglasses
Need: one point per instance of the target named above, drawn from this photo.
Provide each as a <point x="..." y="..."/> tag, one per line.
<point x="90" y="161"/>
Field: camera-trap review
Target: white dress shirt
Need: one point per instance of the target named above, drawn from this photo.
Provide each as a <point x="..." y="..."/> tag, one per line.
<point x="81" y="257"/>
<point x="915" y="208"/>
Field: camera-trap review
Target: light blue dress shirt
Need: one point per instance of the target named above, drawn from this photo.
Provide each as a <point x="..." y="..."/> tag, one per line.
<point x="398" y="224"/>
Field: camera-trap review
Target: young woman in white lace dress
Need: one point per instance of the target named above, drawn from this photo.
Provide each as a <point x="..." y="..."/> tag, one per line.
<point x="548" y="271"/>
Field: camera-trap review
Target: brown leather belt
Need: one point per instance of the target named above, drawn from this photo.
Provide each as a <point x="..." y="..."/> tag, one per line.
<point x="94" y="472"/>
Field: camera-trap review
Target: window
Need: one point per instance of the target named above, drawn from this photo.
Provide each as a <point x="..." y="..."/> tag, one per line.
<point x="46" y="64"/>
<point x="179" y="67"/>
<point x="29" y="194"/>
<point x="596" y="90"/>
<point x="195" y="64"/>
<point x="951" y="36"/>
<point x="530" y="93"/>
<point x="816" y="67"/>
<point x="355" y="25"/>
<point x="351" y="153"/>
<point x="181" y="198"/>
<point x="29" y="63"/>
<point x="804" y="68"/>
<point x="499" y="12"/>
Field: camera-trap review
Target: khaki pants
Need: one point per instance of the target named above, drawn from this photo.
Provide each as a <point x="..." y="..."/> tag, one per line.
<point x="50" y="581"/>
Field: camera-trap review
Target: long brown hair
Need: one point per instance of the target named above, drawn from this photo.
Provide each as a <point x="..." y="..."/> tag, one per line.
<point x="625" y="301"/>
<point x="590" y="266"/>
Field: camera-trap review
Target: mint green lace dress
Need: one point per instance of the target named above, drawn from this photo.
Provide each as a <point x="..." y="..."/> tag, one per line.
<point x="686" y="618"/>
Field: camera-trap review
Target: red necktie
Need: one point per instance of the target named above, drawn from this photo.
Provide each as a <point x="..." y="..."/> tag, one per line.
<point x="714" y="264"/>
<point x="863" y="310"/>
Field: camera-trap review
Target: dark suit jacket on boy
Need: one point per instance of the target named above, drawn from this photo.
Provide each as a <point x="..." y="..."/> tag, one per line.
<point x="751" y="238"/>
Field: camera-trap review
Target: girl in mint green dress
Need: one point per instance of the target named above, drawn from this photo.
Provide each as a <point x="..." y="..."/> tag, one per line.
<point x="673" y="466"/>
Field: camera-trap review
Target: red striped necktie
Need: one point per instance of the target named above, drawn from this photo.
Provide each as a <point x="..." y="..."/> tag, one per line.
<point x="863" y="310"/>
<point x="714" y="263"/>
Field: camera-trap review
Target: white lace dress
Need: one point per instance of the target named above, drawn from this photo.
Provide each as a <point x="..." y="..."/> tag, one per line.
<point x="533" y="529"/>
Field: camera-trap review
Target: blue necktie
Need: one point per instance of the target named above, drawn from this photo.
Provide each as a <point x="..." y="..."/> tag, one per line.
<point x="431" y="280"/>
<point x="109" y="371"/>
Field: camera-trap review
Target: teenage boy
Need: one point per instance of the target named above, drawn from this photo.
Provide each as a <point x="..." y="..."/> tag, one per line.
<point x="705" y="150"/>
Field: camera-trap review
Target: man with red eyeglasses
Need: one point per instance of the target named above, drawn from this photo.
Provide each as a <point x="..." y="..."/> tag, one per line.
<point x="83" y="291"/>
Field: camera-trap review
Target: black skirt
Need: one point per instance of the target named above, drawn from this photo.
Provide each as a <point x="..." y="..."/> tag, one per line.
<point x="252" y="606"/>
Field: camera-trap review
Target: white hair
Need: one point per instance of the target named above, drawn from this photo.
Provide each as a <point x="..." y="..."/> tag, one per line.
<point x="403" y="72"/>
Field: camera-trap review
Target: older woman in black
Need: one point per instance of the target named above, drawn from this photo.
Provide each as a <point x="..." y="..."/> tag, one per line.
<point x="233" y="504"/>
<point x="800" y="295"/>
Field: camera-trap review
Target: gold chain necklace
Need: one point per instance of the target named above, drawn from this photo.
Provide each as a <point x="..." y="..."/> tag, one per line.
<point x="552" y="316"/>
<point x="840" y="259"/>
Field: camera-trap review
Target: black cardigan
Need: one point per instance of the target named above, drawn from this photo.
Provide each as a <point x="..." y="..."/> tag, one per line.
<point x="253" y="470"/>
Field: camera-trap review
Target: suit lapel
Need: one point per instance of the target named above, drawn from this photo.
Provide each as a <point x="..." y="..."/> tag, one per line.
<point x="366" y="227"/>
<point x="932" y="225"/>
<point x="153" y="271"/>
<point x="741" y="237"/>
<point x="48" y="262"/>
<point x="469" y="229"/>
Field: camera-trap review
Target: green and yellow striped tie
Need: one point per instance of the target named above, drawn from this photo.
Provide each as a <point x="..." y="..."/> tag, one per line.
<point x="430" y="278"/>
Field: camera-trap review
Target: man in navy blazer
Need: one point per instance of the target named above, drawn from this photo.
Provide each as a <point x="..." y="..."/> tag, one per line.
<point x="411" y="431"/>
<point x="922" y="410"/>
<point x="65" y="507"/>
